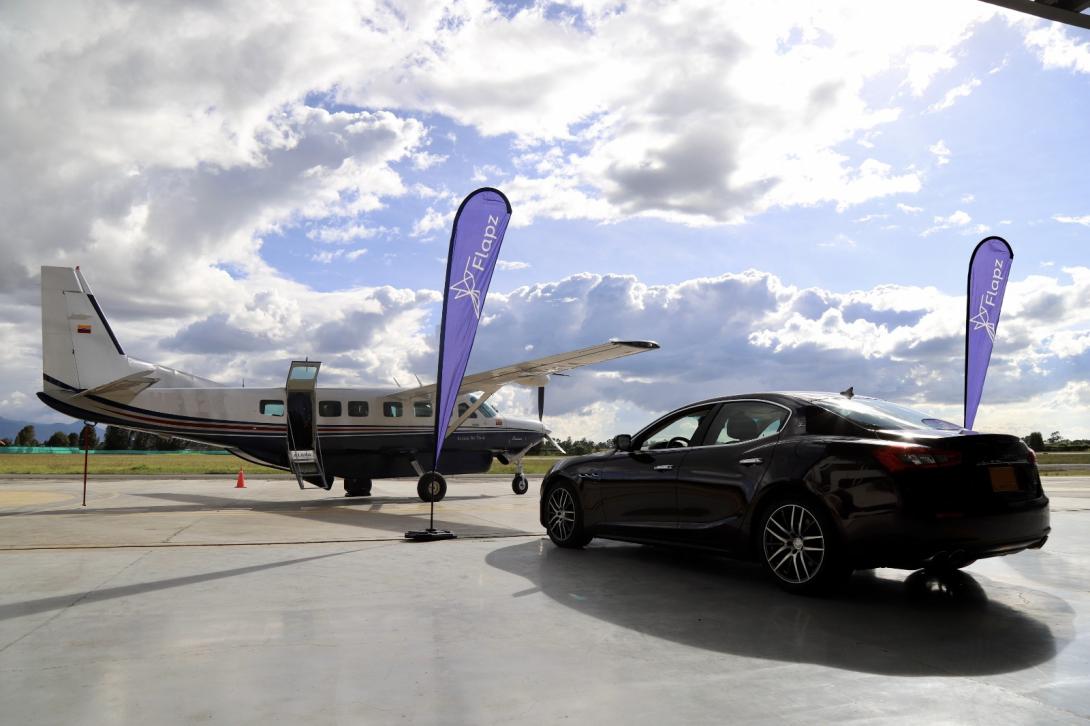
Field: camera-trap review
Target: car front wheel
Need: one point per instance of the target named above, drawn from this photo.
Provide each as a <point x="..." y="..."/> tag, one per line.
<point x="799" y="548"/>
<point x="564" y="517"/>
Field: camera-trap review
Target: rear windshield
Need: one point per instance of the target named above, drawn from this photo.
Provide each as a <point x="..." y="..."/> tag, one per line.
<point x="873" y="413"/>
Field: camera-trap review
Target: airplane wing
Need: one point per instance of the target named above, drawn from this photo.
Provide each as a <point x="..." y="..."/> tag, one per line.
<point x="536" y="372"/>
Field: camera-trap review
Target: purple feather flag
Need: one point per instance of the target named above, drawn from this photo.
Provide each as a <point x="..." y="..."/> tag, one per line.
<point x="475" y="243"/>
<point x="989" y="270"/>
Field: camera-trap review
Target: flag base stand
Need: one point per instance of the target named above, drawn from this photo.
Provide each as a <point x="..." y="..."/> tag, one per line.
<point x="431" y="534"/>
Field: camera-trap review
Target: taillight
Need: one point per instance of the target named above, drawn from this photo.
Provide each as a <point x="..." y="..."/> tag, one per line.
<point x="901" y="458"/>
<point x="1032" y="456"/>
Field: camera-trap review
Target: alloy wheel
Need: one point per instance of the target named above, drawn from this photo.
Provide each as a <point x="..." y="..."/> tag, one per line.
<point x="794" y="545"/>
<point x="561" y="511"/>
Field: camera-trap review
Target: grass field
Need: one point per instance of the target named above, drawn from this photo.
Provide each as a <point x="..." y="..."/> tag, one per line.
<point x="154" y="464"/>
<point x="166" y="464"/>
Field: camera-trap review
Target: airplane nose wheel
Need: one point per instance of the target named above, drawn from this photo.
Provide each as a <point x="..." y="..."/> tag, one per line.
<point x="520" y="485"/>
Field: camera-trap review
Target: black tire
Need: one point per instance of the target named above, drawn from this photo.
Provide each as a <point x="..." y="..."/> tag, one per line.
<point x="357" y="487"/>
<point x="520" y="485"/>
<point x="432" y="487"/>
<point x="564" y="517"/>
<point x="798" y="545"/>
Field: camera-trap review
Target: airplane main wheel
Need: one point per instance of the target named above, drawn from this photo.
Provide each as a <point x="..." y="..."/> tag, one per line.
<point x="432" y="487"/>
<point x="357" y="487"/>
<point x="520" y="485"/>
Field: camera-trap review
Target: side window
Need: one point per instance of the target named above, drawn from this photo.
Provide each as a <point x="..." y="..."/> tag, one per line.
<point x="422" y="408"/>
<point x="358" y="409"/>
<point x="329" y="408"/>
<point x="393" y="409"/>
<point x="746" y="421"/>
<point x="676" y="432"/>
<point x="272" y="408"/>
<point x="463" y="407"/>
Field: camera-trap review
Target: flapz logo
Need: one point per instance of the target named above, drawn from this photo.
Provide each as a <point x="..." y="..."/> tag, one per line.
<point x="467" y="286"/>
<point x="987" y="302"/>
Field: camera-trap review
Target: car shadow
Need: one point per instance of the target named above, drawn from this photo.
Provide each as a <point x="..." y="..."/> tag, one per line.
<point x="920" y="626"/>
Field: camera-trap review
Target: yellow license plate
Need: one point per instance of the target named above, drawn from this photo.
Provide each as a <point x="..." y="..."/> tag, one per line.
<point x="1003" y="479"/>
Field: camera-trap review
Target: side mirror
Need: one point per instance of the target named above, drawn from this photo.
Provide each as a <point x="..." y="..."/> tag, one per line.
<point x="622" y="442"/>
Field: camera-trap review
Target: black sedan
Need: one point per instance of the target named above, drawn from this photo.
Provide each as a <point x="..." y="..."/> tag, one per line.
<point x="813" y="485"/>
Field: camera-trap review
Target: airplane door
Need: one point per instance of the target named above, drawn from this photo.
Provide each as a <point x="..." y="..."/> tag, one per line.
<point x="304" y="448"/>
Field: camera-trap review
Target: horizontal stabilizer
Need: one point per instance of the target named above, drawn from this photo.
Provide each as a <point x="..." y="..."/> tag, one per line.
<point x="124" y="389"/>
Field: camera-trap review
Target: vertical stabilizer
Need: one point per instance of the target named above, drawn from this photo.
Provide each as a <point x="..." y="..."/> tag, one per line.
<point x="79" y="350"/>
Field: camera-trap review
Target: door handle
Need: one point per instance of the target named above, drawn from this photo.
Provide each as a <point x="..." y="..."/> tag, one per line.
<point x="664" y="467"/>
<point x="750" y="462"/>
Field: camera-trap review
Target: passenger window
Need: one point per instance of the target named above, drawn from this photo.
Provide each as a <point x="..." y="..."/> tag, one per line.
<point x="358" y="409"/>
<point x="329" y="408"/>
<point x="746" y="421"/>
<point x="462" y="408"/>
<point x="272" y="408"/>
<point x="675" y="433"/>
<point x="393" y="409"/>
<point x="421" y="408"/>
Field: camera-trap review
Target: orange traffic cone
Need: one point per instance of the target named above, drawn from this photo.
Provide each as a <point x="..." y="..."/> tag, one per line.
<point x="241" y="483"/>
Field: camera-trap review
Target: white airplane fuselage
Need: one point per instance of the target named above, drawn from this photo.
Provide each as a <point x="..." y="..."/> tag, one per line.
<point x="365" y="433"/>
<point x="360" y="433"/>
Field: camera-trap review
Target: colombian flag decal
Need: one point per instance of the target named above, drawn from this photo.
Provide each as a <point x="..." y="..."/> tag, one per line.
<point x="83" y="329"/>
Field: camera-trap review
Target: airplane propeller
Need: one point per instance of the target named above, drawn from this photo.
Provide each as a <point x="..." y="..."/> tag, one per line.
<point x="541" y="415"/>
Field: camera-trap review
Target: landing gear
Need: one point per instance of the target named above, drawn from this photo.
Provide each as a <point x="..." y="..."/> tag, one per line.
<point x="357" y="487"/>
<point x="432" y="487"/>
<point x="520" y="485"/>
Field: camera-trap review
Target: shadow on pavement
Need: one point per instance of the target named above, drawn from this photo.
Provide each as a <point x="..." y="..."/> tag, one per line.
<point x="58" y="602"/>
<point x="922" y="626"/>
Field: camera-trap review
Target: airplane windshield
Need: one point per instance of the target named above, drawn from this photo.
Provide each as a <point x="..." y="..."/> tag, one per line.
<point x="486" y="410"/>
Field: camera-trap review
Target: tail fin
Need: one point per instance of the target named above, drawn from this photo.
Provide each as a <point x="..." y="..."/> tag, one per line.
<point x="79" y="350"/>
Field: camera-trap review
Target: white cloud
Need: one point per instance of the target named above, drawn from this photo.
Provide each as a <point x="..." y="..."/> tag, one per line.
<point x="512" y="265"/>
<point x="1065" y="219"/>
<point x="957" y="219"/>
<point x="951" y="96"/>
<point x="907" y="209"/>
<point x="842" y="241"/>
<point x="894" y="341"/>
<point x="347" y="233"/>
<point x="1056" y="48"/>
<point x="968" y="198"/>
<point x="941" y="152"/>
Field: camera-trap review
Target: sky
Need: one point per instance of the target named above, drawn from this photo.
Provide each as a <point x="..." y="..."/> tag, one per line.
<point x="784" y="197"/>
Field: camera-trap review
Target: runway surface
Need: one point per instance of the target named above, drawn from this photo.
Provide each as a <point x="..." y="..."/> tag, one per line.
<point x="190" y="601"/>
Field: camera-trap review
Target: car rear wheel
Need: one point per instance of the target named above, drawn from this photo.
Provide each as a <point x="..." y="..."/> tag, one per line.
<point x="564" y="517"/>
<point x="799" y="548"/>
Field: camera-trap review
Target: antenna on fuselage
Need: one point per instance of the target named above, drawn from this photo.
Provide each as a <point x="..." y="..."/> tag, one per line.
<point x="395" y="382"/>
<point x="418" y="380"/>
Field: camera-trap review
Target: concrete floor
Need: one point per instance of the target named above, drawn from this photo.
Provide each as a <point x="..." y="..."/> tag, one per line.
<point x="188" y="601"/>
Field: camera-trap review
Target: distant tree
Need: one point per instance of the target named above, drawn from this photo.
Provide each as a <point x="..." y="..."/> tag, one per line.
<point x="117" y="439"/>
<point x="26" y="437"/>
<point x="1055" y="437"/>
<point x="59" y="438"/>
<point x="92" y="437"/>
<point x="1035" y="441"/>
<point x="73" y="440"/>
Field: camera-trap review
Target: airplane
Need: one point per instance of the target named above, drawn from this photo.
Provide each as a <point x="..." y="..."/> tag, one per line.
<point x="318" y="434"/>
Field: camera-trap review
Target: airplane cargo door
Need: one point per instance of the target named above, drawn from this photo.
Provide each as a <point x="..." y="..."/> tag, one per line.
<point x="304" y="448"/>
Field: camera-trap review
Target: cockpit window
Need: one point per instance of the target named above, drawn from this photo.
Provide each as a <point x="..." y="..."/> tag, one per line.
<point x="486" y="410"/>
<point x="874" y="413"/>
